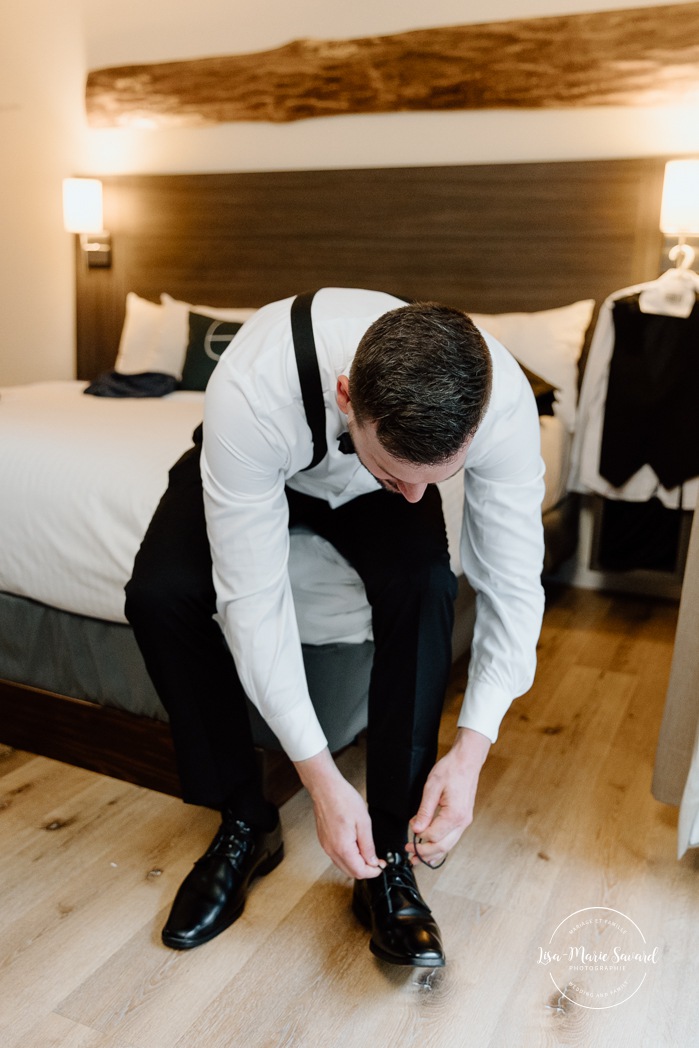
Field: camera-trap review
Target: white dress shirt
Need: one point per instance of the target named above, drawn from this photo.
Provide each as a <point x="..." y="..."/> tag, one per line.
<point x="256" y="440"/>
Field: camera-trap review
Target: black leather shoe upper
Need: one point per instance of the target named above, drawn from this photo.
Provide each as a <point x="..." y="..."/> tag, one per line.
<point x="213" y="894"/>
<point x="403" y="930"/>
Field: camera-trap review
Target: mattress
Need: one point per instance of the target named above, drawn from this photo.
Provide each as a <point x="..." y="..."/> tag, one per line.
<point x="81" y="476"/>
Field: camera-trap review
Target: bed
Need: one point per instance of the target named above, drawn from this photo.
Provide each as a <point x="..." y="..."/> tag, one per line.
<point x="524" y="248"/>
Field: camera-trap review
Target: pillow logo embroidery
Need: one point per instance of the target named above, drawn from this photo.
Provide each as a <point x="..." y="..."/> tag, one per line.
<point x="209" y="337"/>
<point x="217" y="338"/>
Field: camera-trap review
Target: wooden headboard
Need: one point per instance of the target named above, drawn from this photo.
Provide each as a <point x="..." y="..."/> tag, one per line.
<point x="486" y="238"/>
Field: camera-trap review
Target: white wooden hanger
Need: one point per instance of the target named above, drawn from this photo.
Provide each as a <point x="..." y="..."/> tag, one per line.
<point x="674" y="293"/>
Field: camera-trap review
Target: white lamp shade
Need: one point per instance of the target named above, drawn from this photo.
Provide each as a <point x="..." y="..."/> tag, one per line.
<point x="82" y="205"/>
<point x="679" y="213"/>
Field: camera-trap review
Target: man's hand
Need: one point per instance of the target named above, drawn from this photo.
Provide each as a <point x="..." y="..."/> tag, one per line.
<point x="446" y="808"/>
<point x="342" y="819"/>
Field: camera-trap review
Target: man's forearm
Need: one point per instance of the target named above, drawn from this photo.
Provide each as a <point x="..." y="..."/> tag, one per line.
<point x="446" y="808"/>
<point x="472" y="747"/>
<point x="342" y="819"/>
<point x="318" y="773"/>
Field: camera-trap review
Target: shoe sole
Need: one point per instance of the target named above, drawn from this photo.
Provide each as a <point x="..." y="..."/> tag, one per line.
<point x="265" y="867"/>
<point x="363" y="915"/>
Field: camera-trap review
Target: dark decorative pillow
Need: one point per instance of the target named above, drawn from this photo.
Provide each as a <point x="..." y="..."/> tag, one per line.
<point x="145" y="384"/>
<point x="543" y="391"/>
<point x="207" y="340"/>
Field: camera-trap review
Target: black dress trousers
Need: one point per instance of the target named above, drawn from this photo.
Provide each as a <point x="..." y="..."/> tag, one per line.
<point x="400" y="552"/>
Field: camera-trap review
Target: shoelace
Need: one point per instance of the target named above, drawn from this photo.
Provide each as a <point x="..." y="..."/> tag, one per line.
<point x="429" y="865"/>
<point x="232" y="841"/>
<point x="398" y="873"/>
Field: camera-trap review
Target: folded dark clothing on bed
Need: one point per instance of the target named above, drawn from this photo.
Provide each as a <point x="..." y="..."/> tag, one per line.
<point x="145" y="384"/>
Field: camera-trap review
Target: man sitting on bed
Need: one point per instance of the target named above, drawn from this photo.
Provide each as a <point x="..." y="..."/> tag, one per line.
<point x="412" y="394"/>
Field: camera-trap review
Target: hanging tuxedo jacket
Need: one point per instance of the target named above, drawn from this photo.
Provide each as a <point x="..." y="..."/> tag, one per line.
<point x="647" y="398"/>
<point x="652" y="408"/>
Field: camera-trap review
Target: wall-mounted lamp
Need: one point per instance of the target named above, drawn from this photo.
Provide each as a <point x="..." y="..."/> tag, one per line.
<point x="679" y="213"/>
<point x="82" y="214"/>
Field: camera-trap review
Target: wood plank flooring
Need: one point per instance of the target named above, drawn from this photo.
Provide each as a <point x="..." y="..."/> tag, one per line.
<point x="564" y="820"/>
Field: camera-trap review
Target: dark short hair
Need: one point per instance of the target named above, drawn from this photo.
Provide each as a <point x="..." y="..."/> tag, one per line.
<point x="422" y="374"/>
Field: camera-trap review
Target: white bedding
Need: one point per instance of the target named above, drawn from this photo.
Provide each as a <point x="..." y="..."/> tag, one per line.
<point x="80" y="478"/>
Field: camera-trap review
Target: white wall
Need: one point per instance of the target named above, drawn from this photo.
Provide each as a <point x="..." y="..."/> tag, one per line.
<point x="41" y="86"/>
<point x="47" y="45"/>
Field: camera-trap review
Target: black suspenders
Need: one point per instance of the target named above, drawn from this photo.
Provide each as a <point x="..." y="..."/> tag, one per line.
<point x="311" y="388"/>
<point x="309" y="374"/>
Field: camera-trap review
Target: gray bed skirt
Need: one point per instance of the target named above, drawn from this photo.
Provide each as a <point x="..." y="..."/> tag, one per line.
<point x="100" y="662"/>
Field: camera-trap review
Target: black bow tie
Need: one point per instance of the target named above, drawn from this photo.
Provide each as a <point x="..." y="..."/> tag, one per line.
<point x="344" y="442"/>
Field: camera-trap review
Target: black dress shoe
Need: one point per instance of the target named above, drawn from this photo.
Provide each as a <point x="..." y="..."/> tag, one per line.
<point x="403" y="930"/>
<point x="212" y="895"/>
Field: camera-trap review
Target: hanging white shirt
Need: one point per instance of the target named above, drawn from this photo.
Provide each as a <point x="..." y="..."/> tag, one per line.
<point x="257" y="440"/>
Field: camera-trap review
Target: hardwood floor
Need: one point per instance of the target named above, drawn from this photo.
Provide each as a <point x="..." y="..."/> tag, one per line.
<point x="564" y="821"/>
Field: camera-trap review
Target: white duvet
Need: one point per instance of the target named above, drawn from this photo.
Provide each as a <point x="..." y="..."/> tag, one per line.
<point x="81" y="476"/>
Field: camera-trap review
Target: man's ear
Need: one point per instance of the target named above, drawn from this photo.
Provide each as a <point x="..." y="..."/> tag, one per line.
<point x="342" y="394"/>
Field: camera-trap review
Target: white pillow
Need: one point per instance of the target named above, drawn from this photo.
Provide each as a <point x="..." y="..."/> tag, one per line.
<point x="549" y="343"/>
<point x="174" y="330"/>
<point x="139" y="336"/>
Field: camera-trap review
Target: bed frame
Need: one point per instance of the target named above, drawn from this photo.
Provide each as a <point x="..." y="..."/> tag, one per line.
<point x="487" y="238"/>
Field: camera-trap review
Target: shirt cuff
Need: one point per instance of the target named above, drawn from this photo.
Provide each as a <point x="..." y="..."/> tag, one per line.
<point x="483" y="708"/>
<point x="299" y="733"/>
